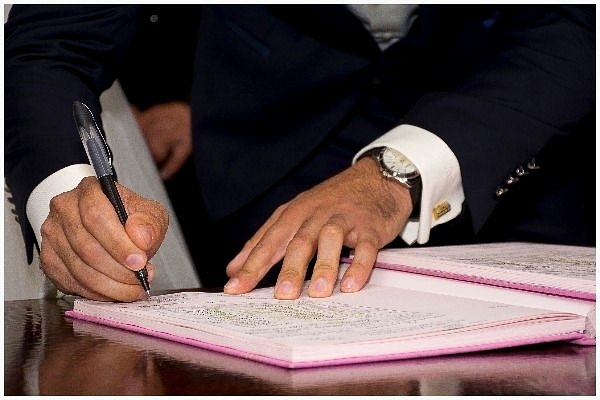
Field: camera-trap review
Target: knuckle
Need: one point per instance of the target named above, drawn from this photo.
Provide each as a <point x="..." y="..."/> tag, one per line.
<point x="369" y="247"/>
<point x="92" y="216"/>
<point x="260" y="250"/>
<point x="291" y="273"/>
<point x="47" y="228"/>
<point x="370" y="239"/>
<point x="87" y="181"/>
<point x="280" y="209"/>
<point x="87" y="250"/>
<point x="300" y="242"/>
<point x="58" y="203"/>
<point x="359" y="264"/>
<point x="246" y="272"/>
<point x="331" y="229"/>
<point x="325" y="267"/>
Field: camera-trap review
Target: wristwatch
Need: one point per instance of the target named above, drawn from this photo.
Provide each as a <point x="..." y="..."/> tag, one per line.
<point x="395" y="165"/>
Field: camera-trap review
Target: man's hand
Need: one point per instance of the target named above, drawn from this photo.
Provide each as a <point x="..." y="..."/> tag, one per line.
<point x="167" y="129"/>
<point x="357" y="208"/>
<point x="86" y="250"/>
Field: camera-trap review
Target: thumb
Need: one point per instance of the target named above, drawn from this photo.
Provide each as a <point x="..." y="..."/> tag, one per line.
<point x="147" y="222"/>
<point x="148" y="230"/>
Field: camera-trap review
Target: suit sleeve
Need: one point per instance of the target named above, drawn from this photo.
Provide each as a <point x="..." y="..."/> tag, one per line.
<point x="55" y="55"/>
<point x="535" y="82"/>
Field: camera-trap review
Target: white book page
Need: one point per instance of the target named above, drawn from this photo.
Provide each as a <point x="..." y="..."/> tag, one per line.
<point x="547" y="259"/>
<point x="477" y="291"/>
<point x="374" y="314"/>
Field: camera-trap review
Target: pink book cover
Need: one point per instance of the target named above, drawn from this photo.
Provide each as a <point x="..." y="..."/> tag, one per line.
<point x="575" y="337"/>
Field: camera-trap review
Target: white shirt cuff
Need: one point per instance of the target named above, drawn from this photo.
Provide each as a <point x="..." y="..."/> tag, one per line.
<point x="63" y="180"/>
<point x="442" y="191"/>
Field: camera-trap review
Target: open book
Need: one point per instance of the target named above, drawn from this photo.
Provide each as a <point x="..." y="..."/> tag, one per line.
<point x="397" y="315"/>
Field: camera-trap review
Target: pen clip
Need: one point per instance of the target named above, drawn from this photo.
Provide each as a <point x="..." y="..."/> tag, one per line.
<point x="109" y="155"/>
<point x="91" y="119"/>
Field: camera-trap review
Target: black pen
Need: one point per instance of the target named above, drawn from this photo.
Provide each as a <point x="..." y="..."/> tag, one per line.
<point x="98" y="154"/>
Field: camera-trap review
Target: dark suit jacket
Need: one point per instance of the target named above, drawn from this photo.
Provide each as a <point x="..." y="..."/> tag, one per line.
<point x="271" y="84"/>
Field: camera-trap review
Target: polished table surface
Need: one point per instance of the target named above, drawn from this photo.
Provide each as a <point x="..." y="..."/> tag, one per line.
<point x="46" y="353"/>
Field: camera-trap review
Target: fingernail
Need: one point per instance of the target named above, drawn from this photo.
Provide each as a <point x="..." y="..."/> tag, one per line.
<point x="349" y="285"/>
<point x="285" y="288"/>
<point x="135" y="261"/>
<point x="319" y="285"/>
<point x="232" y="284"/>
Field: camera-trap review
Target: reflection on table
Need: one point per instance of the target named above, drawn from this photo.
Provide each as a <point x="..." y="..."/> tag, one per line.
<point x="49" y="354"/>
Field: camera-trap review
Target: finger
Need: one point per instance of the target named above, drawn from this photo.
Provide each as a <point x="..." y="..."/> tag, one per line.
<point x="236" y="264"/>
<point x="300" y="251"/>
<point x="159" y="150"/>
<point x="76" y="247"/>
<point x="325" y="272"/>
<point x="98" y="217"/>
<point x="91" y="279"/>
<point x="94" y="279"/>
<point x="359" y="271"/>
<point x="57" y="272"/>
<point x="64" y="231"/>
<point x="93" y="268"/>
<point x="148" y="227"/>
<point x="73" y="276"/>
<point x="177" y="157"/>
<point x="266" y="251"/>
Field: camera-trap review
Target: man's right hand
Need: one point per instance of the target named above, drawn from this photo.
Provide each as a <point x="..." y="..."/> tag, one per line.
<point x="167" y="129"/>
<point x="86" y="250"/>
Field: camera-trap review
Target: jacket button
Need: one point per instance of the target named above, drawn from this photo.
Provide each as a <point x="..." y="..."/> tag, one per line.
<point x="521" y="171"/>
<point x="500" y="191"/>
<point x="531" y="165"/>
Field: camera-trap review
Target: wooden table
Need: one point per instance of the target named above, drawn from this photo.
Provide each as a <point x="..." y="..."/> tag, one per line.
<point x="46" y="353"/>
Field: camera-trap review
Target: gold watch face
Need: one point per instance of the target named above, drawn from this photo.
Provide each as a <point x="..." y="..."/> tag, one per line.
<point x="398" y="164"/>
